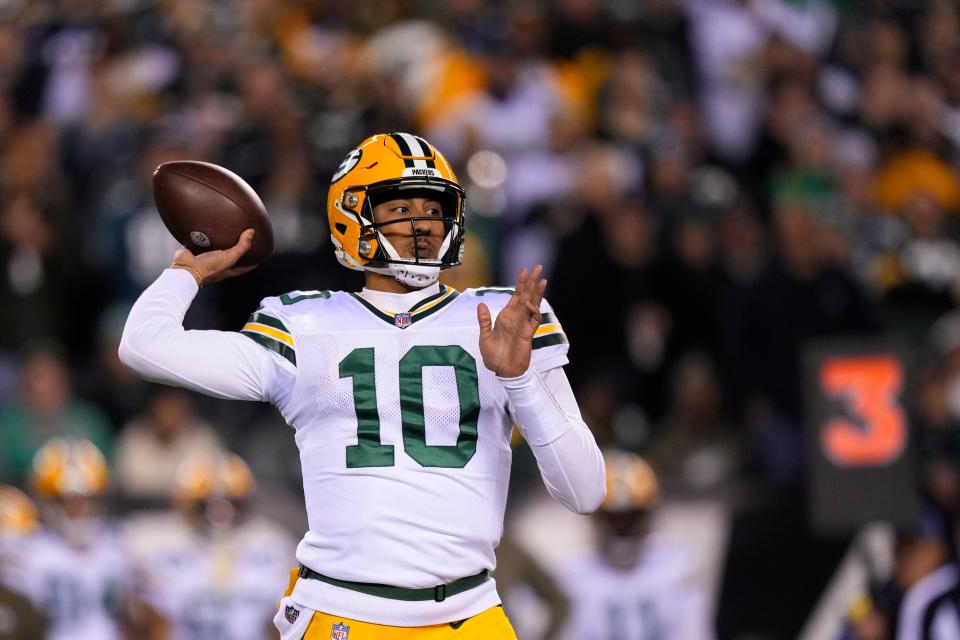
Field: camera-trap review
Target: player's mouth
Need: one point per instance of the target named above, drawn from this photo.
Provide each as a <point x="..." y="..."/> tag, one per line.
<point x="424" y="250"/>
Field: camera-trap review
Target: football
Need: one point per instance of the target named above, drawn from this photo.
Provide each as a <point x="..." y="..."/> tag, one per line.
<point x="207" y="207"/>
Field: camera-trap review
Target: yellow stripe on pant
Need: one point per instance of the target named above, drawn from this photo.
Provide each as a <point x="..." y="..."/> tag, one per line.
<point x="491" y="624"/>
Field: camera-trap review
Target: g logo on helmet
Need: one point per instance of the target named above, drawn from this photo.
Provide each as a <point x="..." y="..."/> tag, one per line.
<point x="348" y="163"/>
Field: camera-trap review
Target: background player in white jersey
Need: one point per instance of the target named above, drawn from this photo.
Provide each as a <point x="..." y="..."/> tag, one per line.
<point x="636" y="586"/>
<point x="209" y="571"/>
<point x="18" y="522"/>
<point x="19" y="619"/>
<point x="402" y="397"/>
<point x="74" y="569"/>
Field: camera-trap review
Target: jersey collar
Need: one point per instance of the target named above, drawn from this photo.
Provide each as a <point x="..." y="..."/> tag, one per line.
<point x="397" y="302"/>
<point x="425" y="307"/>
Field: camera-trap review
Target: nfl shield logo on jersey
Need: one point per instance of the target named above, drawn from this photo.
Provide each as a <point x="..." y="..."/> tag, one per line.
<point x="402" y="320"/>
<point x="291" y="614"/>
<point x="340" y="632"/>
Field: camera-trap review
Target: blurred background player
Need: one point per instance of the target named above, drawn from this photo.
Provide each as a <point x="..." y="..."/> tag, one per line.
<point x="210" y="572"/>
<point x="634" y="585"/>
<point x="18" y="521"/>
<point x="19" y="619"/>
<point x="75" y="568"/>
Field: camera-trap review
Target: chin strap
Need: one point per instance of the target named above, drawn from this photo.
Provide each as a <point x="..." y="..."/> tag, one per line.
<point x="415" y="275"/>
<point x="411" y="275"/>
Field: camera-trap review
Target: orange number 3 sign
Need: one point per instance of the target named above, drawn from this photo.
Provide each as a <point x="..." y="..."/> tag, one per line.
<point x="869" y="387"/>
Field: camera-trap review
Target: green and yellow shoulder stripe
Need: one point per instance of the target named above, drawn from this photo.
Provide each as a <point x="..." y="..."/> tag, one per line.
<point x="270" y="332"/>
<point x="549" y="332"/>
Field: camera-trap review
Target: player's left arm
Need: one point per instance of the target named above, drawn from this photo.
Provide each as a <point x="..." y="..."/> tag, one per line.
<point x="549" y="419"/>
<point x="541" y="400"/>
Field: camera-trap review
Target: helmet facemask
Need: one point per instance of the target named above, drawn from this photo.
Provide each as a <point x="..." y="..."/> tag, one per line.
<point x="621" y="534"/>
<point x="382" y="256"/>
<point x="212" y="493"/>
<point x="76" y="518"/>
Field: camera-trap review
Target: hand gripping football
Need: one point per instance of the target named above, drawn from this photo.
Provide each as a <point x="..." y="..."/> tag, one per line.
<point x="207" y="207"/>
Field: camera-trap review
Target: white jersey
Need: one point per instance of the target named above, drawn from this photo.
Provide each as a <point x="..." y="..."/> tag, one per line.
<point x="220" y="587"/>
<point x="12" y="552"/>
<point x="659" y="597"/>
<point x="404" y="435"/>
<point x="80" y="591"/>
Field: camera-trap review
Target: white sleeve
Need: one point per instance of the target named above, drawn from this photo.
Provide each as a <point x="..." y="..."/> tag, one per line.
<point x="548" y="416"/>
<point x="223" y="364"/>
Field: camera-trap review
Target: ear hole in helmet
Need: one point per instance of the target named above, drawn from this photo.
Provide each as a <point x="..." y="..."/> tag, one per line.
<point x="340" y="227"/>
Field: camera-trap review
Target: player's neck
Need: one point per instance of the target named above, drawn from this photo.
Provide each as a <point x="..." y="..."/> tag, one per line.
<point x="387" y="284"/>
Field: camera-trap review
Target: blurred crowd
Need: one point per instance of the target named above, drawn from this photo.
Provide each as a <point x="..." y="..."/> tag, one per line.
<point x="711" y="185"/>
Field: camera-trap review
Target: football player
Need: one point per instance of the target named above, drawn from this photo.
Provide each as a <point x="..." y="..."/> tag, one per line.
<point x="636" y="585"/>
<point x="19" y="619"/>
<point x="402" y="398"/>
<point x="74" y="569"/>
<point x="210" y="572"/>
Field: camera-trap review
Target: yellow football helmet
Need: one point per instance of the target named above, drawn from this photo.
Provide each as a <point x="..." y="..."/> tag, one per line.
<point x="69" y="467"/>
<point x="18" y="514"/>
<point x="631" y="483"/>
<point x="382" y="166"/>
<point x="201" y="477"/>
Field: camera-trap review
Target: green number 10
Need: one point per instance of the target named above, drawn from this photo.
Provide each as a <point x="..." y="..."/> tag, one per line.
<point x="369" y="451"/>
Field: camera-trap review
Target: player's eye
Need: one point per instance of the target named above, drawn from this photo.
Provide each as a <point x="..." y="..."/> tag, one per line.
<point x="433" y="211"/>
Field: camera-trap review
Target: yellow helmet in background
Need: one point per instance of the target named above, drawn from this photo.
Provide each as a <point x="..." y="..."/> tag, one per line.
<point x="69" y="467"/>
<point x="201" y="477"/>
<point x="383" y="166"/>
<point x="623" y="518"/>
<point x="18" y="514"/>
<point x="631" y="483"/>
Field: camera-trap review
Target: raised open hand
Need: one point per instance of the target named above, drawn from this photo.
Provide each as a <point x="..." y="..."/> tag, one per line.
<point x="213" y="266"/>
<point x="506" y="346"/>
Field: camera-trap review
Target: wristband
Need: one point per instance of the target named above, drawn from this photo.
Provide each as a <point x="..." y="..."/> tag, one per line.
<point x="191" y="267"/>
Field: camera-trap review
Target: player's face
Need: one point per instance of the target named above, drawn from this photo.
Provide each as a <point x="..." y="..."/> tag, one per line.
<point x="215" y="513"/>
<point x="73" y="517"/>
<point x="419" y="239"/>
<point x="620" y="535"/>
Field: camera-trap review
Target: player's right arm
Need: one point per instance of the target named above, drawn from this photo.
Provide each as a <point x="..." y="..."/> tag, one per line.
<point x="223" y="364"/>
